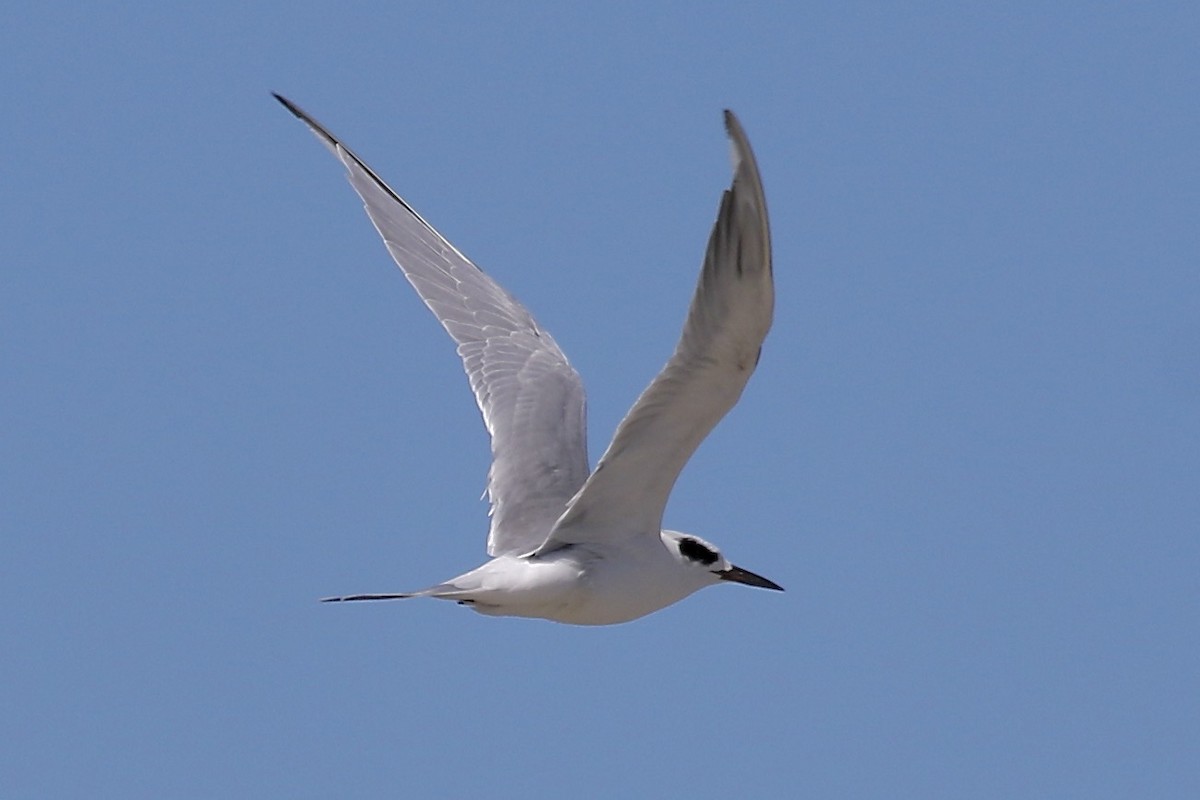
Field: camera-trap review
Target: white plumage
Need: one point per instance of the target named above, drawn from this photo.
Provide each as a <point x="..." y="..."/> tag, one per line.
<point x="568" y="543"/>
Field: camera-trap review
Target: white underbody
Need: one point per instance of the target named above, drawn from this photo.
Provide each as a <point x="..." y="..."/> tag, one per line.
<point x="586" y="584"/>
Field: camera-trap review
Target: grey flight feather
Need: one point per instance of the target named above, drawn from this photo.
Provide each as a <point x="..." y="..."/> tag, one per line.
<point x="727" y="322"/>
<point x="531" y="399"/>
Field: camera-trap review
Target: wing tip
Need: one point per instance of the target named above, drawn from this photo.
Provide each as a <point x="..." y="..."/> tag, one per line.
<point x="289" y="105"/>
<point x="740" y="151"/>
<point x="299" y="113"/>
<point x="327" y="138"/>
<point x="745" y="165"/>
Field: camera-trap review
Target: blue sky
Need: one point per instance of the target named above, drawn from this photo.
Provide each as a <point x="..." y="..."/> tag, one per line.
<point x="971" y="452"/>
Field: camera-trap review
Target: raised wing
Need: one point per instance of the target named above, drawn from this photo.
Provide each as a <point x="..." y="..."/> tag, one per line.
<point x="722" y="338"/>
<point x="532" y="400"/>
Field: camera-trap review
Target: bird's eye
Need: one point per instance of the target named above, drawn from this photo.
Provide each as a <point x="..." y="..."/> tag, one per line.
<point x="695" y="551"/>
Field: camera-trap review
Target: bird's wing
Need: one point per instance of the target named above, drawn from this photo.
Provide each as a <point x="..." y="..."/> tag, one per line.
<point x="531" y="398"/>
<point x="722" y="338"/>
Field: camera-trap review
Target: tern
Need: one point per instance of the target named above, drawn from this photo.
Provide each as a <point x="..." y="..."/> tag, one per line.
<point x="568" y="543"/>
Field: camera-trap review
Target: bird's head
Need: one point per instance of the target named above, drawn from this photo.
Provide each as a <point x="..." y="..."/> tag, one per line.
<point x="706" y="560"/>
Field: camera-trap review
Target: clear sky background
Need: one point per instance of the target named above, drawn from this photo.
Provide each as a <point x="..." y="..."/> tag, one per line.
<point x="971" y="451"/>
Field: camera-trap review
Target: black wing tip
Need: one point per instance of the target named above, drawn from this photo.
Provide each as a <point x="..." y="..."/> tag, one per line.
<point x="733" y="125"/>
<point x="288" y="104"/>
<point x="325" y="136"/>
<point x="738" y="140"/>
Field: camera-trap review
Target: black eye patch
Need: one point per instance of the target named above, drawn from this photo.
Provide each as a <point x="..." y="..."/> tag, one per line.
<point x="690" y="548"/>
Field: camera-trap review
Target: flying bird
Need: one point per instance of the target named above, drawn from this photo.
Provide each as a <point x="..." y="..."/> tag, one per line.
<point x="568" y="543"/>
